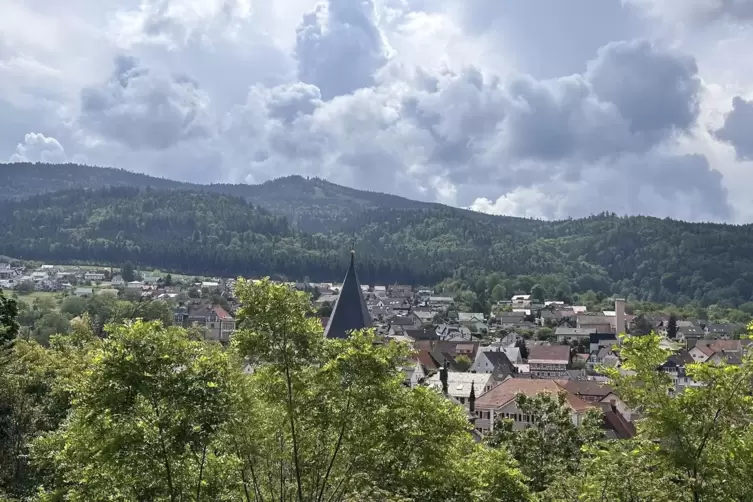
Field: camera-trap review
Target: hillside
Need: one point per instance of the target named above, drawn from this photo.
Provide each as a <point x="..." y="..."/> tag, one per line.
<point x="194" y="232"/>
<point x="311" y="204"/>
<point x="203" y="233"/>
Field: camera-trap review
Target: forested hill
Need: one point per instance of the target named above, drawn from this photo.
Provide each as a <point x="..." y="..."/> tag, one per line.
<point x="311" y="204"/>
<point x="193" y="232"/>
<point x="212" y="234"/>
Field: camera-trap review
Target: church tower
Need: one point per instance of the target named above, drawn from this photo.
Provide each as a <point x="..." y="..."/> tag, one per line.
<point x="350" y="311"/>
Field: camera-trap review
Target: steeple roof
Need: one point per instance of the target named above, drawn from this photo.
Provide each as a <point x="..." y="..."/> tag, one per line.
<point x="350" y="311"/>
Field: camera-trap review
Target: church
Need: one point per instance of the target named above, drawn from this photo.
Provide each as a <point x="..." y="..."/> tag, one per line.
<point x="350" y="311"/>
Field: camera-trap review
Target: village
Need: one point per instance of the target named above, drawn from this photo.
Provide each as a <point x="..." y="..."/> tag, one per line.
<point x="480" y="362"/>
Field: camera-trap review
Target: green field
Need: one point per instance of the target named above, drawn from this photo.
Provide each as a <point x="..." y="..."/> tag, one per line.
<point x="29" y="299"/>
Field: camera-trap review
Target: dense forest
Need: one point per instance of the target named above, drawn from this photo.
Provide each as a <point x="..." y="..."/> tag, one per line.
<point x="208" y="234"/>
<point x="296" y="227"/>
<point x="311" y="204"/>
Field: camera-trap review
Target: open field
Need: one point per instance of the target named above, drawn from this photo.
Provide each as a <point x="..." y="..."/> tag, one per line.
<point x="29" y="299"/>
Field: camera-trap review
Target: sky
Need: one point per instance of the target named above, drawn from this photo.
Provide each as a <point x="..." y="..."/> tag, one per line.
<point x="538" y="108"/>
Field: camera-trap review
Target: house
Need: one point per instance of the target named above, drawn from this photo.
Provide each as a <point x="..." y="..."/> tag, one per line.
<point x="94" y="276"/>
<point x="118" y="281"/>
<point x="83" y="291"/>
<point x="565" y="333"/>
<point x="675" y="366"/>
<point x="459" y="384"/>
<point x="594" y="323"/>
<point x="504" y="318"/>
<point x="491" y="361"/>
<point x="717" y="351"/>
<point x="501" y="402"/>
<point x="604" y="356"/>
<point x="442" y="301"/>
<point x="218" y="323"/>
<point x="414" y="373"/>
<point x="549" y="361"/>
<point x="511" y="351"/>
<point x="400" y="290"/>
<point x="520" y="301"/>
<point x="424" y="317"/>
<point x="468" y="318"/>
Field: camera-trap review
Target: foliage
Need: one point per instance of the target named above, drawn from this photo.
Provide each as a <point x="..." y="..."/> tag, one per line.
<point x="153" y="414"/>
<point x="8" y="320"/>
<point x="704" y="431"/>
<point x="463" y="363"/>
<point x="301" y="227"/>
<point x="549" y="447"/>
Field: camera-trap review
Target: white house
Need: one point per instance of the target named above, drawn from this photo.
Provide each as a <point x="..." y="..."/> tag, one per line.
<point x="459" y="384"/>
<point x="94" y="276"/>
<point x="521" y="301"/>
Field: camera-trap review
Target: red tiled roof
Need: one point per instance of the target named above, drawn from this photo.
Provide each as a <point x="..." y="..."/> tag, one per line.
<point x="549" y="353"/>
<point x="509" y="389"/>
<point x="222" y="313"/>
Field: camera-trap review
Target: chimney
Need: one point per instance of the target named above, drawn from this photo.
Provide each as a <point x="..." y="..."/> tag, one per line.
<point x="443" y="378"/>
<point x="619" y="317"/>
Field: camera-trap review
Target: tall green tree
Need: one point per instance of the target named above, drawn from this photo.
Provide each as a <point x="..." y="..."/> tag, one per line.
<point x="334" y="407"/>
<point x="148" y="412"/>
<point x="127" y="272"/>
<point x="8" y="319"/>
<point x="704" y="432"/>
<point x="549" y="447"/>
<point x="672" y="327"/>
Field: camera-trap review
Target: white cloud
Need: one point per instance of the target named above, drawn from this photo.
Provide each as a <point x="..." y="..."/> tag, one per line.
<point x="504" y="108"/>
<point x="37" y="147"/>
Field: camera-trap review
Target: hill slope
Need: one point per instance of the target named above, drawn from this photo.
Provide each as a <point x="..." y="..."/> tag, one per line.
<point x="311" y="204"/>
<point x="194" y="232"/>
<point x="205" y="233"/>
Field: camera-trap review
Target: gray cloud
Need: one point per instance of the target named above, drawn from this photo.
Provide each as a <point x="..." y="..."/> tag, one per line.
<point x="738" y="128"/>
<point x="550" y="38"/>
<point x="339" y="47"/>
<point x="657" y="91"/>
<point x="483" y="133"/>
<point x="144" y="108"/>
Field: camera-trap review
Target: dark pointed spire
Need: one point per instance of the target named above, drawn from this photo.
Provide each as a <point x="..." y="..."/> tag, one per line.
<point x="350" y="311"/>
<point x="443" y="378"/>
<point x="472" y="399"/>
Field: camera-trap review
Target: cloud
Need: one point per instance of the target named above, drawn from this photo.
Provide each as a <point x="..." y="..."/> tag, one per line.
<point x="534" y="107"/>
<point x="449" y="135"/>
<point x="697" y="12"/>
<point x="656" y="91"/>
<point x="37" y="147"/>
<point x="340" y="47"/>
<point x="738" y="128"/>
<point x="656" y="184"/>
<point x="175" y="23"/>
<point x="144" y="108"/>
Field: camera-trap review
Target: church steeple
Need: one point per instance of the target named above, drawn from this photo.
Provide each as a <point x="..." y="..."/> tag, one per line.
<point x="350" y="311"/>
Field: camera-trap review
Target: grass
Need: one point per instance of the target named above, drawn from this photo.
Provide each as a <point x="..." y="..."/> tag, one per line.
<point x="29" y="299"/>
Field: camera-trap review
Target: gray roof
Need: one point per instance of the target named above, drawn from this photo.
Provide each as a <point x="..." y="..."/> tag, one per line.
<point x="350" y="311"/>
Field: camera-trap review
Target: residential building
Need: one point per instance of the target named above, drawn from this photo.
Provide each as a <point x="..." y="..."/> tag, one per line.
<point x="521" y="301"/>
<point x="459" y="384"/>
<point x="501" y="402"/>
<point x="491" y="361"/>
<point x="218" y="323"/>
<point x="94" y="276"/>
<point x="549" y="361"/>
